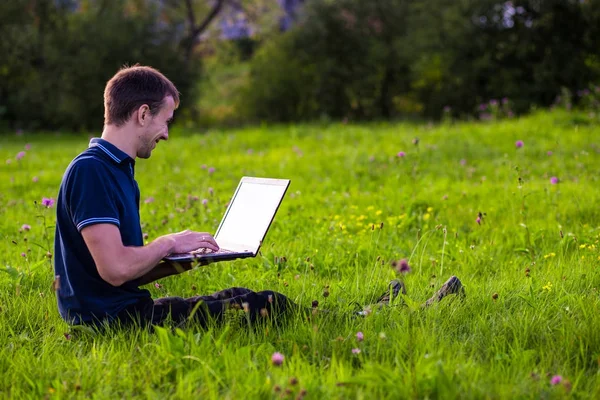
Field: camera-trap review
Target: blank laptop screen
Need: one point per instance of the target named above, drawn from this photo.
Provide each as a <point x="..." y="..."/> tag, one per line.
<point x="250" y="214"/>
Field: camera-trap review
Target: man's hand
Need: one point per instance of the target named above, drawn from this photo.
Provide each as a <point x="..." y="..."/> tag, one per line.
<point x="187" y="241"/>
<point x="118" y="264"/>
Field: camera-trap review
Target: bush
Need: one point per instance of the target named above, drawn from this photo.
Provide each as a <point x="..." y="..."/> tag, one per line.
<point x="340" y="61"/>
<point x="55" y="59"/>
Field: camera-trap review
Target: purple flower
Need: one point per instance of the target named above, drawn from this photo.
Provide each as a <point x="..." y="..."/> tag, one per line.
<point x="23" y="255"/>
<point x="47" y="202"/>
<point x="463" y="162"/>
<point x="401" y="154"/>
<point x="549" y="153"/>
<point x="203" y="166"/>
<point x="402" y="266"/>
<point x="211" y="191"/>
<point x="505" y="100"/>
<point x="149" y="200"/>
<point x="20" y="155"/>
<point x="35" y="179"/>
<point x="556" y="379"/>
<point x="493" y="102"/>
<point x="360" y="336"/>
<point x="28" y="146"/>
<point x="25" y="227"/>
<point x="483" y="107"/>
<point x="211" y="170"/>
<point x="447" y="109"/>
<point x="554" y="180"/>
<point x="204" y="202"/>
<point x="277" y="359"/>
<point x="356" y="351"/>
<point x="478" y="220"/>
<point x="519" y="144"/>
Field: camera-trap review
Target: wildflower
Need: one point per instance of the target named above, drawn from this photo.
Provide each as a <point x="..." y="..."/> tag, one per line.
<point x="463" y="162"/>
<point x="28" y="146"/>
<point x="23" y="255"/>
<point x="157" y="285"/>
<point x="556" y="379"/>
<point x="401" y="154"/>
<point x="48" y="202"/>
<point x="554" y="180"/>
<point x="149" y="200"/>
<point x="478" y="220"/>
<point x="20" y="155"/>
<point x="145" y="236"/>
<point x="415" y="141"/>
<point x="548" y="287"/>
<point x="35" y="179"/>
<point x="356" y="351"/>
<point x="204" y="202"/>
<point x="211" y="170"/>
<point x="210" y="191"/>
<point x="505" y="100"/>
<point x="360" y="336"/>
<point x="277" y="359"/>
<point x="401" y="266"/>
<point x="25" y="227"/>
<point x="67" y="336"/>
<point x="447" y="109"/>
<point x="8" y="161"/>
<point x="382" y="335"/>
<point x="519" y="144"/>
<point x="549" y="153"/>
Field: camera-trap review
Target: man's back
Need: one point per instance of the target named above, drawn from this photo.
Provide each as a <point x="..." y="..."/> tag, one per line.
<point x="98" y="187"/>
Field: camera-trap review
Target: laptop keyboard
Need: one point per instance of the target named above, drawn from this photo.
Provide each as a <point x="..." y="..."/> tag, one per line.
<point x="210" y="251"/>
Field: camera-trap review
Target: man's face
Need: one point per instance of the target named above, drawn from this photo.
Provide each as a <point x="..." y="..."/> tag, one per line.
<point x="156" y="129"/>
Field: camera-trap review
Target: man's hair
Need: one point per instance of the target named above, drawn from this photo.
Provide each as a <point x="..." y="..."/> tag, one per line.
<point x="133" y="87"/>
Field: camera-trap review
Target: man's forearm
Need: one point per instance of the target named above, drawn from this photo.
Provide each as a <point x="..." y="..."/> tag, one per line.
<point x="163" y="270"/>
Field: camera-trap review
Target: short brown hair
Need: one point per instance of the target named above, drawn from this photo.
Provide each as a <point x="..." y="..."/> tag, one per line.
<point x="133" y="87"/>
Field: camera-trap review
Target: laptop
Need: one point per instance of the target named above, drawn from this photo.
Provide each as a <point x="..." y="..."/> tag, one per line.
<point x="245" y="223"/>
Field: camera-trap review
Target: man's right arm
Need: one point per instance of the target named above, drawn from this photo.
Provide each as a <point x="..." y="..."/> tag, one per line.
<point x="118" y="264"/>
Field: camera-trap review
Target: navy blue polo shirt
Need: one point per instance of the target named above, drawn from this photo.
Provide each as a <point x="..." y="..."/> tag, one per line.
<point x="98" y="187"/>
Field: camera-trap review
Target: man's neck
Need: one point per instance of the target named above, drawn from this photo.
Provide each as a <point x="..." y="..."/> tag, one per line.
<point x="121" y="139"/>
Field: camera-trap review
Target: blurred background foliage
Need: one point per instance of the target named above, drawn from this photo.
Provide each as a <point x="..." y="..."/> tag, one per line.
<point x="249" y="61"/>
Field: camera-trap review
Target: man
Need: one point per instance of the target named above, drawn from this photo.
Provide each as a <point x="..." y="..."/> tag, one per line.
<point x="100" y="258"/>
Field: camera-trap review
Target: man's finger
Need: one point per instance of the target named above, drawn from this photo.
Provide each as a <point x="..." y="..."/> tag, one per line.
<point x="210" y="245"/>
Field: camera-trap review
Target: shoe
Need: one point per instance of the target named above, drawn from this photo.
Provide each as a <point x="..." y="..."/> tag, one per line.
<point x="451" y="286"/>
<point x="393" y="291"/>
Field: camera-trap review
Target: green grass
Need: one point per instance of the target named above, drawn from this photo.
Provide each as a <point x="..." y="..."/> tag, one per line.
<point x="346" y="181"/>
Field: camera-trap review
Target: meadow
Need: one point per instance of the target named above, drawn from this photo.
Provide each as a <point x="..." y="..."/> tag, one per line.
<point x="511" y="207"/>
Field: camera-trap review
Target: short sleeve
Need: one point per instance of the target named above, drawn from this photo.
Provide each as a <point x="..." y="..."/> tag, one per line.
<point x="89" y="195"/>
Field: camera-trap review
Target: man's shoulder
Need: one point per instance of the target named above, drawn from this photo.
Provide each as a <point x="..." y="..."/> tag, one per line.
<point x="87" y="160"/>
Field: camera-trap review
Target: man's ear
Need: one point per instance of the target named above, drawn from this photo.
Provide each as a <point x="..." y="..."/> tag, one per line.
<point x="142" y="114"/>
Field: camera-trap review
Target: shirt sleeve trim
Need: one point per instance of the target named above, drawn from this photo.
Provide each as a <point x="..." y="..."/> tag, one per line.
<point x="92" y="221"/>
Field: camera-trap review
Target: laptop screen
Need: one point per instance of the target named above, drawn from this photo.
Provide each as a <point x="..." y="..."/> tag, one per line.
<point x="250" y="212"/>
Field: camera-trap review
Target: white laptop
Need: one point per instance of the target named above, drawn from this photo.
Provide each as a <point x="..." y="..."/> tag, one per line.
<point x="245" y="223"/>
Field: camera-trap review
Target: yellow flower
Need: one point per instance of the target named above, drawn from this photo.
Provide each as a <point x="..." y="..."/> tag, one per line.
<point x="548" y="287"/>
<point x="550" y="255"/>
<point x="426" y="217"/>
<point x="582" y="246"/>
<point x="429" y="209"/>
<point x="402" y="216"/>
<point x="370" y="208"/>
<point x="378" y="212"/>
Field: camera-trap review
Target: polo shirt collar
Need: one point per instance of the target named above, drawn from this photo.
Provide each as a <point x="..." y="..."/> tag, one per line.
<point x="112" y="151"/>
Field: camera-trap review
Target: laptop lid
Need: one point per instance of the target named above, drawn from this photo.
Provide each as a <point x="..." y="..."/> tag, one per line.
<point x="250" y="213"/>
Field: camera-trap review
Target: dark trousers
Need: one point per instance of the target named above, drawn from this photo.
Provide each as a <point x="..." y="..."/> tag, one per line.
<point x="265" y="305"/>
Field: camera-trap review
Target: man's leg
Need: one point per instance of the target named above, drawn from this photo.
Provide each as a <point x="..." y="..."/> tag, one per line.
<point x="203" y="309"/>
